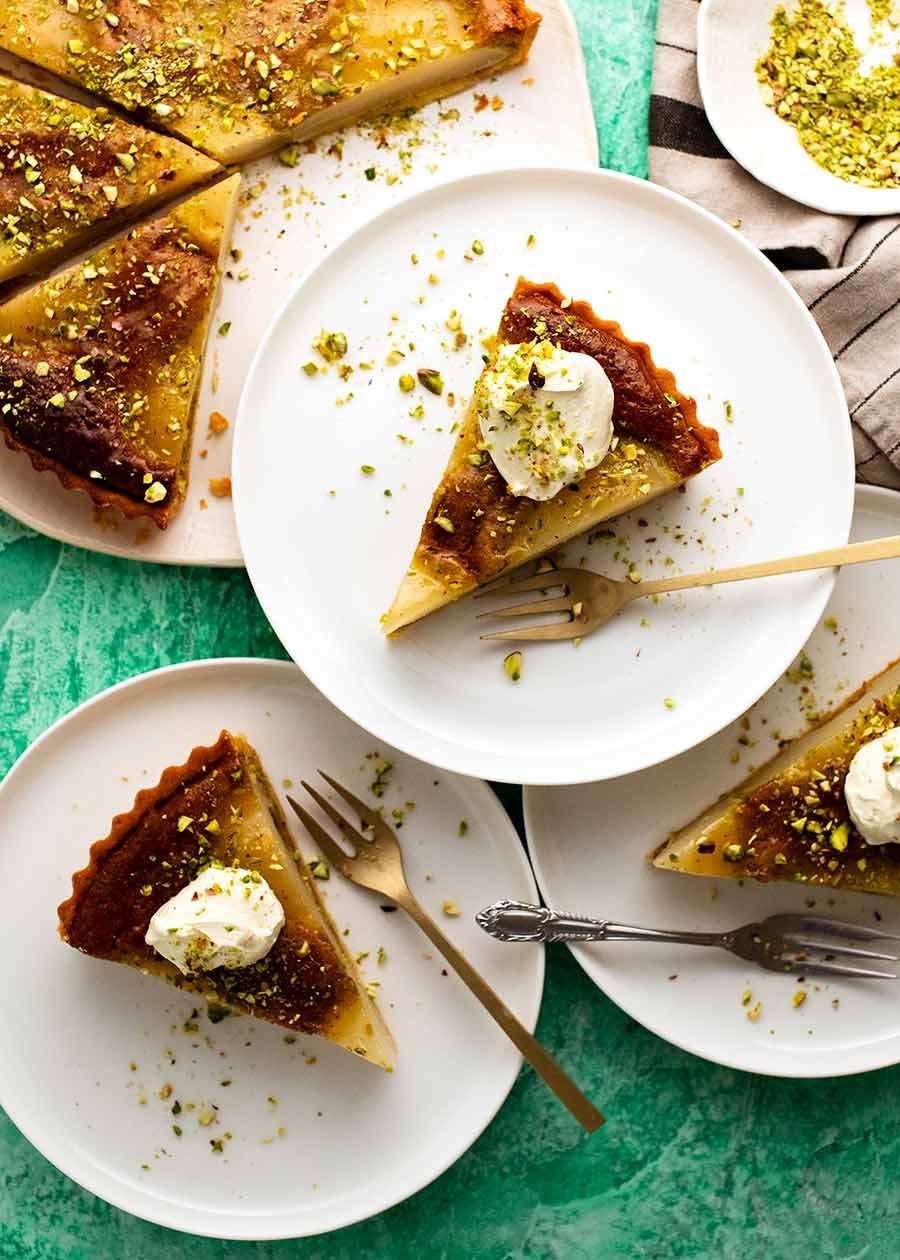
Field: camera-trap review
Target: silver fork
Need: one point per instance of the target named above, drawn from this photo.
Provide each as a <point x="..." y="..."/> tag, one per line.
<point x="781" y="942"/>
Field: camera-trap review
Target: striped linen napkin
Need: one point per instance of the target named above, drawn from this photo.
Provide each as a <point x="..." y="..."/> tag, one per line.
<point x="846" y="270"/>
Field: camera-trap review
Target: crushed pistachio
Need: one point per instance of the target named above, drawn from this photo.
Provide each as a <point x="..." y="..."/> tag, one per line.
<point x="512" y="665"/>
<point x="812" y="76"/>
<point x="431" y="380"/>
<point x="331" y="345"/>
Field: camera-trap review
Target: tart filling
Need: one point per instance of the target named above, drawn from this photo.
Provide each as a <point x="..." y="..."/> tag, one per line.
<point x="218" y="811"/>
<point x="100" y="365"/>
<point x="244" y="76"/>
<point x="817" y="813"/>
<point x="478" y="525"/>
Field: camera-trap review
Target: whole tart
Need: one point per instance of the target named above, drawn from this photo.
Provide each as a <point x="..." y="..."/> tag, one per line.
<point x="100" y="365"/>
<point x="70" y="172"/>
<point x="220" y="807"/>
<point x="240" y="77"/>
<point x="475" y="528"/>
<point x="789" y="820"/>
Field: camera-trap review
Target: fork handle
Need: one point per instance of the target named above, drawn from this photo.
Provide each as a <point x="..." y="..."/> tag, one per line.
<point x="543" y="1063"/>
<point x="850" y="553"/>
<point x="518" y="921"/>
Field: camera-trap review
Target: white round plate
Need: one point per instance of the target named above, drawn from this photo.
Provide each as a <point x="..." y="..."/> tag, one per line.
<point x="288" y="218"/>
<point x="326" y="547"/>
<point x="88" y="1050"/>
<point x="588" y="846"/>
<point x="731" y="37"/>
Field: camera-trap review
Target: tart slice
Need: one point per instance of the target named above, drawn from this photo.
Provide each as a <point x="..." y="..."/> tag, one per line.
<point x="238" y="79"/>
<point x="70" y="172"/>
<point x="211" y="824"/>
<point x="805" y="815"/>
<point x="479" y="523"/>
<point x="100" y="365"/>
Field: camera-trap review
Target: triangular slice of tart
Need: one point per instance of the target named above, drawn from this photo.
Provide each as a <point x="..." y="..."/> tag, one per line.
<point x="790" y="820"/>
<point x="219" y="810"/>
<point x="100" y="365"/>
<point x="238" y="79"/>
<point x="71" y="172"/>
<point x="476" y="527"/>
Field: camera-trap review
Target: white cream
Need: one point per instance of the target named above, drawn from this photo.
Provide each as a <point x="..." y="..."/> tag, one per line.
<point x="872" y="789"/>
<point x="545" y="415"/>
<point x="226" y="917"/>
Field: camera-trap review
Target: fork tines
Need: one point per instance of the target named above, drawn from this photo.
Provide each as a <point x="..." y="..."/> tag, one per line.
<point x="831" y="937"/>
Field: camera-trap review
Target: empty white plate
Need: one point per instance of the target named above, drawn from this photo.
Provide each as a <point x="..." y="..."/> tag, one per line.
<point x="731" y="37"/>
<point x="589" y="844"/>
<point x="94" y="1056"/>
<point x="326" y="542"/>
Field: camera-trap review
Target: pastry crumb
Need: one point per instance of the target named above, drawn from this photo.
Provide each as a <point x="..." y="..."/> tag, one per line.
<point x="220" y="487"/>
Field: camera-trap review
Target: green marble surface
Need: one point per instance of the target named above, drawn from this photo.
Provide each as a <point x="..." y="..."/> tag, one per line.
<point x="695" y="1161"/>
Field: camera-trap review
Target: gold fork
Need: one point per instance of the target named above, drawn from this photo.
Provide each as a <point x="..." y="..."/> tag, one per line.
<point x="590" y="600"/>
<point x="377" y="863"/>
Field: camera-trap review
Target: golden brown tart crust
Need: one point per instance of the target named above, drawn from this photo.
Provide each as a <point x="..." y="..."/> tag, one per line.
<point x="648" y="407"/>
<point x="789" y="820"/>
<point x="146" y="859"/>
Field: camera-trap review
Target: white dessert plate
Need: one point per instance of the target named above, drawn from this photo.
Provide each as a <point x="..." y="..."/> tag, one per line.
<point x="731" y="37"/>
<point x="588" y="846"/>
<point x="94" y="1056"/>
<point x="289" y="217"/>
<point x="326" y="543"/>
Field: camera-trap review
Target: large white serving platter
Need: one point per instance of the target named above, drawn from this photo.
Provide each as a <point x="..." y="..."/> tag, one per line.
<point x="588" y="845"/>
<point x="93" y="1056"/>
<point x="289" y="218"/>
<point x="327" y="543"/>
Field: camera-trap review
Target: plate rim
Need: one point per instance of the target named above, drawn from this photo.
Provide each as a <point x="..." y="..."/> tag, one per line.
<point x="68" y="1163"/>
<point x="455" y="758"/>
<point x="731" y="140"/>
<point x="872" y="498"/>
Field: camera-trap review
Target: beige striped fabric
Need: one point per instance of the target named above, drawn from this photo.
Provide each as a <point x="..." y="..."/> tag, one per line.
<point x="846" y="270"/>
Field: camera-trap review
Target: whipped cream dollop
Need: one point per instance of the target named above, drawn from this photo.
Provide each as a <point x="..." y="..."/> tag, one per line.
<point x="872" y="789"/>
<point x="226" y="917"/>
<point x="545" y="416"/>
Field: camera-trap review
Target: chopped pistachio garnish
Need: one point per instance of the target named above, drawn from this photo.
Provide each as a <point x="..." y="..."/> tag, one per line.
<point x="512" y="665"/>
<point x="319" y="868"/>
<point x="155" y="493"/>
<point x="431" y="380"/>
<point x="407" y="383"/>
<point x="331" y="345"/>
<point x="368" y="469"/>
<point x="451" y="909"/>
<point x="846" y="117"/>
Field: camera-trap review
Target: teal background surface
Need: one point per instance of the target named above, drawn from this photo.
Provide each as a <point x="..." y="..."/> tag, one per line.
<point x="695" y="1161"/>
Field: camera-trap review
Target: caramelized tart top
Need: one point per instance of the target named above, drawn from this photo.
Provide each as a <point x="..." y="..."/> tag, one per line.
<point x="213" y="808"/>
